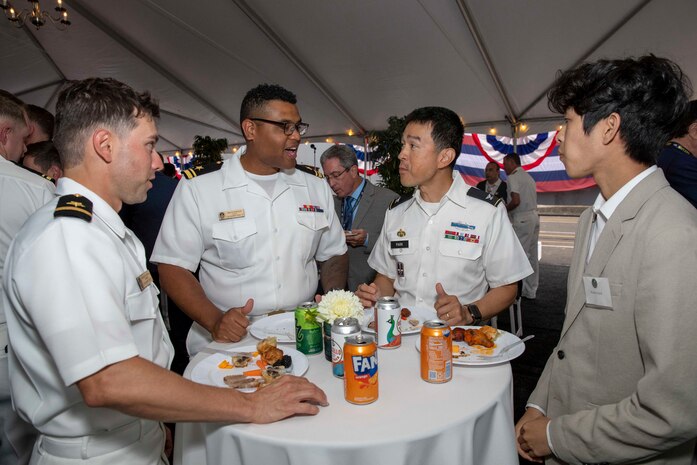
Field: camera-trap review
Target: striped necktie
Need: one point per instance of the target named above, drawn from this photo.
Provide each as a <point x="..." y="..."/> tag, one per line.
<point x="347" y="213"/>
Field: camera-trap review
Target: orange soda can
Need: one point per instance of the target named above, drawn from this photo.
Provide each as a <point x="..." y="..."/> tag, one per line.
<point x="436" y="352"/>
<point x="360" y="370"/>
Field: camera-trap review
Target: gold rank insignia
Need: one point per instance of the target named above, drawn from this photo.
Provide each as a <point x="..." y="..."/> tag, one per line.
<point x="75" y="206"/>
<point x="144" y="280"/>
<point x="401" y="233"/>
<point x="231" y="214"/>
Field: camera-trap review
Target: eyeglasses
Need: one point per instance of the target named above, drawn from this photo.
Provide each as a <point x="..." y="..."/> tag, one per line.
<point x="330" y="176"/>
<point x="288" y="127"/>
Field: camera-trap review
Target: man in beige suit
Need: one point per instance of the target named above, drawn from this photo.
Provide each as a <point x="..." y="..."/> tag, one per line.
<point x="621" y="385"/>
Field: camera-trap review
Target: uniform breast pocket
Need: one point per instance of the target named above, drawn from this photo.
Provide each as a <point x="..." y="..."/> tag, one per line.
<point x="234" y="242"/>
<point x="142" y="308"/>
<point x="314" y="221"/>
<point x="460" y="249"/>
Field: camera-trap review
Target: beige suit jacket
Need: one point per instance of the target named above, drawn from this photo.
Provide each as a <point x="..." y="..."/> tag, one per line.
<point x="621" y="385"/>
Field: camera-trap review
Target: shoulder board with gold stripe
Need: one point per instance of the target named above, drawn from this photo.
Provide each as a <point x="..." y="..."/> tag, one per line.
<point x="199" y="170"/>
<point x="401" y="200"/>
<point x="481" y="195"/>
<point x="309" y="170"/>
<point x="75" y="206"/>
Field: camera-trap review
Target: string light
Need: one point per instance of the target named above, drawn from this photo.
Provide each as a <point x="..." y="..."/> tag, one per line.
<point x="350" y="132"/>
<point x="492" y="131"/>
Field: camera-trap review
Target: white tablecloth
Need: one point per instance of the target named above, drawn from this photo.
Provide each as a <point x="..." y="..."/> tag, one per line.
<point x="468" y="420"/>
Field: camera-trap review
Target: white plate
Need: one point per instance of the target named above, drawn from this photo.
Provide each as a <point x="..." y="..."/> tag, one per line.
<point x="207" y="371"/>
<point x="481" y="356"/>
<point x="418" y="313"/>
<point x="281" y="325"/>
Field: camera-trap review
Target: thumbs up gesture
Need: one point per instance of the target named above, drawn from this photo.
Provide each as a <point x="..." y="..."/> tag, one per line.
<point x="449" y="309"/>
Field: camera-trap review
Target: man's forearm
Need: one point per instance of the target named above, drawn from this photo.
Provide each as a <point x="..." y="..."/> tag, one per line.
<point x="384" y="284"/>
<point x="185" y="290"/>
<point x="496" y="300"/>
<point x="334" y="272"/>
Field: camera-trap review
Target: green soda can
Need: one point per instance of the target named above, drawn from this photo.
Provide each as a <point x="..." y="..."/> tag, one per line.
<point x="308" y="331"/>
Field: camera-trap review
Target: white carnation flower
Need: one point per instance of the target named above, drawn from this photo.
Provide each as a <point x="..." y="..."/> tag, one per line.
<point x="340" y="304"/>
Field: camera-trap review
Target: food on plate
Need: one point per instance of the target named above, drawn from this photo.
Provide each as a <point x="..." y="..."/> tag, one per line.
<point x="406" y="313"/>
<point x="271" y="355"/>
<point x="271" y="374"/>
<point x="484" y="336"/>
<point x="266" y="344"/>
<point x="242" y="382"/>
<point x="285" y="362"/>
<point x="241" y="361"/>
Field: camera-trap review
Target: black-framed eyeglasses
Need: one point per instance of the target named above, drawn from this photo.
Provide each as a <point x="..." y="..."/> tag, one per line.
<point x="330" y="176"/>
<point x="287" y="126"/>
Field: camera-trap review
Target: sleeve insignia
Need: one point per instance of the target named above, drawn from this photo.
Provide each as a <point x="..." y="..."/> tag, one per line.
<point x="199" y="170"/>
<point x="481" y="195"/>
<point x="75" y="206"/>
<point x="310" y="170"/>
<point x="400" y="200"/>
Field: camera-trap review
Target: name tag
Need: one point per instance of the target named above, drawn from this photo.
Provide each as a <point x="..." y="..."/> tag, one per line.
<point x="597" y="292"/>
<point x="399" y="244"/>
<point x="144" y="280"/>
<point x="230" y="214"/>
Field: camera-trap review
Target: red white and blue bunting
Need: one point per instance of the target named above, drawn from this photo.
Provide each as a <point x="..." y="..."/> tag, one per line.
<point x="538" y="156"/>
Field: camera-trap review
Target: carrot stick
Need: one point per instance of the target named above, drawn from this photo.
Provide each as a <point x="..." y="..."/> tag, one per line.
<point x="252" y="373"/>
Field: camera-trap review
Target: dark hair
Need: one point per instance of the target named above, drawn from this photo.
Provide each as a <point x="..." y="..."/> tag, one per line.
<point x="447" y="130"/>
<point x="686" y="121"/>
<point x="256" y="98"/>
<point x="11" y="107"/>
<point x="345" y="155"/>
<point x="86" y="105"/>
<point x="514" y="157"/>
<point x="42" y="117"/>
<point x="169" y="169"/>
<point x="45" y="155"/>
<point x="649" y="93"/>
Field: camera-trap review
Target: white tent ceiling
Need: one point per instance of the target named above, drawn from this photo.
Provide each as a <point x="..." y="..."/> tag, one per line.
<point x="351" y="63"/>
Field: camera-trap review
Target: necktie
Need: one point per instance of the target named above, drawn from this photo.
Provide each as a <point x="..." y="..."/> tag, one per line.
<point x="347" y="213"/>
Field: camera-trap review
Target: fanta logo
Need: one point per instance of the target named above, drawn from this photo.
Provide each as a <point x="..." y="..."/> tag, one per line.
<point x="365" y="365"/>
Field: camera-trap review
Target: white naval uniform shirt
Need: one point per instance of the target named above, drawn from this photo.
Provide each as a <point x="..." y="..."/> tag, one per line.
<point x="74" y="306"/>
<point x="22" y="193"/>
<point x="430" y="251"/>
<point x="520" y="182"/>
<point x="250" y="245"/>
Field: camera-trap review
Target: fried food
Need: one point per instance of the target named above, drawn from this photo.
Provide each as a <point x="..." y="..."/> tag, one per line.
<point x="266" y="344"/>
<point x="406" y="313"/>
<point x="458" y="334"/>
<point x="490" y="331"/>
<point x="272" y="355"/>
<point x="241" y="361"/>
<point x="270" y="374"/>
<point x="476" y="337"/>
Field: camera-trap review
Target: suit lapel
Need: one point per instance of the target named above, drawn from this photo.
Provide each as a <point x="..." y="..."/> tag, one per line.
<point x="364" y="204"/>
<point x="619" y="224"/>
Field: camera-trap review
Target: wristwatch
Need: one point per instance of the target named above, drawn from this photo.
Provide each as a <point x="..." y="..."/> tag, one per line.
<point x="476" y="314"/>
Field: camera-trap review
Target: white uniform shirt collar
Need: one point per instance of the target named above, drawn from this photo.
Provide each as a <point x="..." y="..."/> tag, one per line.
<point x="235" y="176"/>
<point x="67" y="186"/>
<point x="456" y="193"/>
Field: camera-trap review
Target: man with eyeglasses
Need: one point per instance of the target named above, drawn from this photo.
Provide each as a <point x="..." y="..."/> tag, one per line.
<point x="254" y="226"/>
<point x="361" y="206"/>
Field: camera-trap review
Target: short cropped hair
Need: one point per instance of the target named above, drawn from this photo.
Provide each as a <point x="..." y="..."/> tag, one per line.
<point x="447" y="129"/>
<point x="649" y="93"/>
<point x="686" y="121"/>
<point x="514" y="157"/>
<point x="11" y="107"/>
<point x="42" y="117"/>
<point x="45" y="155"/>
<point x="345" y="155"/>
<point x="83" y="106"/>
<point x="256" y="98"/>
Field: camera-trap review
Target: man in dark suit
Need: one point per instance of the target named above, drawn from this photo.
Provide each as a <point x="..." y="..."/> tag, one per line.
<point x="361" y="207"/>
<point x="493" y="183"/>
<point x="678" y="159"/>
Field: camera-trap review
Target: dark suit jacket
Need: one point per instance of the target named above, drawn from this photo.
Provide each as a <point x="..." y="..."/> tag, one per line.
<point x="369" y="216"/>
<point x="620" y="385"/>
<point x="501" y="192"/>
